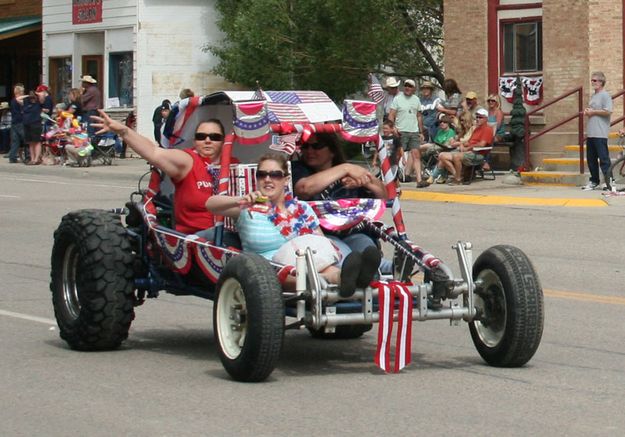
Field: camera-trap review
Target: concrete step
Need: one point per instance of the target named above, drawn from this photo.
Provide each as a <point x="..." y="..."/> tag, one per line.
<point x="561" y="164"/>
<point x="572" y="151"/>
<point x="565" y="178"/>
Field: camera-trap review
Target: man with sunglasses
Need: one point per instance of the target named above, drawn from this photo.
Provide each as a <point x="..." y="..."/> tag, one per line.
<point x="406" y="114"/>
<point x="598" y="114"/>
<point x="187" y="169"/>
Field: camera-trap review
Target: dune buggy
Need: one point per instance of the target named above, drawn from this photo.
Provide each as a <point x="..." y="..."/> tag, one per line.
<point x="105" y="263"/>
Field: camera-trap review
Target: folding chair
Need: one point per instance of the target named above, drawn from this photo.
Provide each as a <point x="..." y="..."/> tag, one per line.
<point x="477" y="170"/>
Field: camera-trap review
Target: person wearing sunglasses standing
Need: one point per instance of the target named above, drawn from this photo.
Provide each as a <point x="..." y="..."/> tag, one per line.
<point x="406" y="113"/>
<point x="186" y="168"/>
<point x="274" y="224"/>
<point x="598" y="114"/>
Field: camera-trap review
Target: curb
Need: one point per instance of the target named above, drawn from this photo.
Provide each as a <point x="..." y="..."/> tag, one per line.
<point x="482" y="199"/>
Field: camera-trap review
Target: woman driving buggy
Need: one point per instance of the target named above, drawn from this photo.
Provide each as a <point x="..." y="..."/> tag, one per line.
<point x="272" y="223"/>
<point x="187" y="169"/>
<point x="322" y="173"/>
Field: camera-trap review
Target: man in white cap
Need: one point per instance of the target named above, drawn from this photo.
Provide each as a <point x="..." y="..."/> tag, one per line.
<point x="91" y="101"/>
<point x="391" y="85"/>
<point x="469" y="153"/>
<point x="406" y="113"/>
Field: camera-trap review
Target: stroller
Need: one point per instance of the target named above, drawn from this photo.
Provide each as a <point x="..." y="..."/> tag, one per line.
<point x="104" y="148"/>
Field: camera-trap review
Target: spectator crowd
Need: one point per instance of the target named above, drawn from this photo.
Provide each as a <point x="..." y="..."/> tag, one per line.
<point x="436" y="137"/>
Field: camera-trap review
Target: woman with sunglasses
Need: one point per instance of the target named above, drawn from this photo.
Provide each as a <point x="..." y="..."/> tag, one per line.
<point x="186" y="168"/>
<point x="322" y="173"/>
<point x="272" y="223"/>
<point x="495" y="116"/>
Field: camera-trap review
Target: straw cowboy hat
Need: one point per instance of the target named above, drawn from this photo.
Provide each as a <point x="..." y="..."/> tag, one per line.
<point x="88" y="79"/>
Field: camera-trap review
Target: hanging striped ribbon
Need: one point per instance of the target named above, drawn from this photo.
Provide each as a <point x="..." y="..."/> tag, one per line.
<point x="388" y="293"/>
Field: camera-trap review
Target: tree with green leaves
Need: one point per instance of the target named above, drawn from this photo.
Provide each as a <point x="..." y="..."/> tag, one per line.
<point x="517" y="128"/>
<point x="329" y="45"/>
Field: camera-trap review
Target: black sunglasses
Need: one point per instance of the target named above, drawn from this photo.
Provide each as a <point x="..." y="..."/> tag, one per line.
<point x="273" y="174"/>
<point x="315" y="146"/>
<point x="201" y="136"/>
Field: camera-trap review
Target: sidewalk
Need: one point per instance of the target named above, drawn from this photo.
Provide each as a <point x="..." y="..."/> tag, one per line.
<point x="487" y="192"/>
<point x="479" y="192"/>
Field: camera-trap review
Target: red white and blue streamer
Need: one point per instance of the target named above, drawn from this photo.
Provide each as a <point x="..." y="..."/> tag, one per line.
<point x="388" y="293"/>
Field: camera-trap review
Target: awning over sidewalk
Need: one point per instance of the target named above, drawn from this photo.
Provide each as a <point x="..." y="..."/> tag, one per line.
<point x="12" y="27"/>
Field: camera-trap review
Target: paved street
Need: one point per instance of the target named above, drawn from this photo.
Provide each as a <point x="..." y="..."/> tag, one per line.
<point x="167" y="378"/>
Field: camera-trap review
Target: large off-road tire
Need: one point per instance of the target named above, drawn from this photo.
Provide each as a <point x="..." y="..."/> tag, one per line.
<point x="248" y="318"/>
<point x="92" y="280"/>
<point x="509" y="325"/>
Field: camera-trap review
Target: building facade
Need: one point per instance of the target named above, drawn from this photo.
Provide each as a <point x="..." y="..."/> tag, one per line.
<point x="20" y="45"/>
<point x="554" y="45"/>
<point x="140" y="51"/>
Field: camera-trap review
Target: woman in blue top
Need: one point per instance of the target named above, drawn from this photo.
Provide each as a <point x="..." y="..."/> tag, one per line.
<point x="270" y="222"/>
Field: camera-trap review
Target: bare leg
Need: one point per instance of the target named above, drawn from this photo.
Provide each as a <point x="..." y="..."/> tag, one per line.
<point x="458" y="166"/>
<point x="37" y="148"/>
<point x="415" y="154"/>
<point x="332" y="274"/>
<point x="445" y="160"/>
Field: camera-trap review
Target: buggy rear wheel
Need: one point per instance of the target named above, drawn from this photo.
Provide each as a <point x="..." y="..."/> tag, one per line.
<point x="92" y="280"/>
<point x="509" y="301"/>
<point x="248" y="318"/>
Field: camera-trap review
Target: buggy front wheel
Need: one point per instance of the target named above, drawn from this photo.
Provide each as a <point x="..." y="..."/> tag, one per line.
<point x="248" y="318"/>
<point x="510" y="309"/>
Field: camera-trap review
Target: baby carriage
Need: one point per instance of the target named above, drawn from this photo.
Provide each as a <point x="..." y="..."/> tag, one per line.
<point x="104" y="148"/>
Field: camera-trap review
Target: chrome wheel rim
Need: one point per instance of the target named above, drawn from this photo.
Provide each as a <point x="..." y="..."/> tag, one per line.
<point x="490" y="302"/>
<point x="71" y="302"/>
<point x="231" y="318"/>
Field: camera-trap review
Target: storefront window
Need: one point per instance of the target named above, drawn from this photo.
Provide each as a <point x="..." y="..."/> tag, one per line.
<point x="522" y="47"/>
<point x="120" y="77"/>
<point x="60" y="75"/>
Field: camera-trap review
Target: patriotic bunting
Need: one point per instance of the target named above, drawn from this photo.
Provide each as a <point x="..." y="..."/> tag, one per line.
<point x="532" y="88"/>
<point x="251" y="124"/>
<point x="506" y="88"/>
<point x="359" y="121"/>
<point x="338" y="215"/>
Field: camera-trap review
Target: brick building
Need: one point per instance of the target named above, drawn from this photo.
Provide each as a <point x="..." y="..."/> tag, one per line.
<point x="558" y="41"/>
<point x="20" y="44"/>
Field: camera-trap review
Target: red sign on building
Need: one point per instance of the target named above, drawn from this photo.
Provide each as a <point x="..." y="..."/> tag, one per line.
<point x="86" y="11"/>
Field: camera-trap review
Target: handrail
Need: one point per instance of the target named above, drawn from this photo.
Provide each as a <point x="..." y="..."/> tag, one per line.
<point x="579" y="90"/>
<point x="615" y="96"/>
<point x="579" y="116"/>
